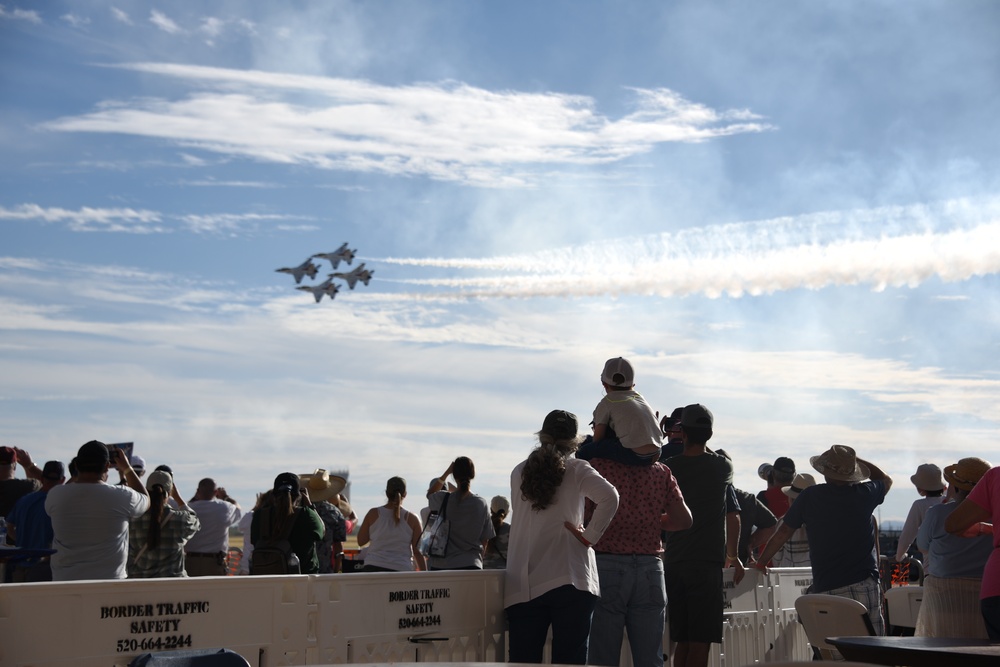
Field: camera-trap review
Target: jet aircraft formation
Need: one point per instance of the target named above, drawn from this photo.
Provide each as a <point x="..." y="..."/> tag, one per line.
<point x="307" y="268"/>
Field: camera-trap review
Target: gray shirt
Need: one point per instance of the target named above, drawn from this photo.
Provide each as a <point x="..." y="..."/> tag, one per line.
<point x="470" y="527"/>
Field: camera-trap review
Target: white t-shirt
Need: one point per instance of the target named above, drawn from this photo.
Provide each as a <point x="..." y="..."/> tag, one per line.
<point x="90" y="523"/>
<point x="216" y="516"/>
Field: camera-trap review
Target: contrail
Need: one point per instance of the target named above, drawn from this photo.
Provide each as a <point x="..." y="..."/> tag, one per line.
<point x="892" y="246"/>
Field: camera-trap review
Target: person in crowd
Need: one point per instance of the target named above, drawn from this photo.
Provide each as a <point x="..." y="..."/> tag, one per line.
<point x="551" y="579"/>
<point x="757" y="523"/>
<point x="950" y="606"/>
<point x="291" y="506"/>
<point x="11" y="487"/>
<point x="674" y="439"/>
<point x="435" y="485"/>
<point x="323" y="487"/>
<point x="930" y="486"/>
<point x="975" y="516"/>
<point x="29" y="526"/>
<point x="138" y="465"/>
<point x="392" y="534"/>
<point x="207" y="551"/>
<point x="777" y="476"/>
<point x="695" y="557"/>
<point x="246" y="522"/>
<point x="157" y="538"/>
<point x="90" y="517"/>
<point x="468" y="516"/>
<point x="630" y="565"/>
<point x="344" y="505"/>
<point x="795" y="553"/>
<point x="626" y="428"/>
<point x="842" y="535"/>
<point x="496" y="548"/>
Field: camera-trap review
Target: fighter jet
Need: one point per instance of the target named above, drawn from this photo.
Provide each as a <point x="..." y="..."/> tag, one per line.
<point x="326" y="287"/>
<point x="341" y="253"/>
<point x="306" y="268"/>
<point x="360" y="273"/>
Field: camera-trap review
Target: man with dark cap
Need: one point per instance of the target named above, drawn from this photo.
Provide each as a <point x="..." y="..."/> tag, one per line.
<point x="29" y="527"/>
<point x="90" y="517"/>
<point x="694" y="558"/>
<point x="12" y="488"/>
<point x="777" y="476"/>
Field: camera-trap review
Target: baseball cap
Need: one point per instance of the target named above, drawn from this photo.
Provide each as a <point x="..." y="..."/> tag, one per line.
<point x="7" y="456"/>
<point x="618" y="373"/>
<point x="560" y="424"/>
<point x="53" y="470"/>
<point x="287" y="482"/>
<point x="162" y="478"/>
<point x="94" y="451"/>
<point x="137" y="462"/>
<point x="697" y="414"/>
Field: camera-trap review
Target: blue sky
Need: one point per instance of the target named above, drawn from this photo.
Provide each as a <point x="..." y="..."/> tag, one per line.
<point x="786" y="211"/>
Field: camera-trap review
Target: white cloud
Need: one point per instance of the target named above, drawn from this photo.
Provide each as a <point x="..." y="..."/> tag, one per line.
<point x="17" y="14"/>
<point x="448" y="131"/>
<point x="121" y="16"/>
<point x="88" y="219"/>
<point x="218" y="223"/>
<point x="164" y="22"/>
<point x="76" y="21"/>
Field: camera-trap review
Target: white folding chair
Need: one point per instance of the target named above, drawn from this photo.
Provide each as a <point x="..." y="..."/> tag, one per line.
<point x="903" y="605"/>
<point x="825" y="616"/>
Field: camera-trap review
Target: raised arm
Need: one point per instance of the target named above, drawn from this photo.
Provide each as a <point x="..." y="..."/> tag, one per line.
<point x="877" y="474"/>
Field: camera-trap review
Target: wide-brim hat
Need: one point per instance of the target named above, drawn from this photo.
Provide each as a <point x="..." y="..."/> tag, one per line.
<point x="966" y="473"/>
<point x="928" y="477"/>
<point x="322" y="485"/>
<point x="802" y="481"/>
<point x="840" y="463"/>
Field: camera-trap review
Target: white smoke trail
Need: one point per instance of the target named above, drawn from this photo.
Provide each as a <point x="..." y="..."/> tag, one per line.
<point x="894" y="246"/>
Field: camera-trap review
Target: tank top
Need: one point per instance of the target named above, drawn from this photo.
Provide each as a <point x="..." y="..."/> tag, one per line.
<point x="390" y="542"/>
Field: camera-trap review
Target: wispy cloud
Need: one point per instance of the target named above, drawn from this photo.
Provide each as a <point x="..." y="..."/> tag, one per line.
<point x="446" y="131"/>
<point x="76" y="21"/>
<point x="220" y="223"/>
<point x="18" y="14"/>
<point x="121" y="16"/>
<point x="88" y="219"/>
<point x="164" y="22"/>
<point x="892" y="246"/>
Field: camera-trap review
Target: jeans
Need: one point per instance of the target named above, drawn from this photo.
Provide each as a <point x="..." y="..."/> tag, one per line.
<point x="633" y="598"/>
<point x="569" y="612"/>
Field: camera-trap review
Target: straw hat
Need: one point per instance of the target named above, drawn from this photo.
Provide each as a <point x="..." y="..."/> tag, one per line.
<point x="928" y="477"/>
<point x="840" y="463"/>
<point x="322" y="485"/>
<point x="966" y="473"/>
<point x="802" y="481"/>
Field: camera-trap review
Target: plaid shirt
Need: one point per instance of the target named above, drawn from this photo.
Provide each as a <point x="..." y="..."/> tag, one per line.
<point x="166" y="560"/>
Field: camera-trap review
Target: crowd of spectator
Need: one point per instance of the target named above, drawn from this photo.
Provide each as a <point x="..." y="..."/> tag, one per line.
<point x="598" y="532"/>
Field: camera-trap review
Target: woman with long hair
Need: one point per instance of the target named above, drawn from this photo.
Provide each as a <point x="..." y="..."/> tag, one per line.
<point x="289" y="509"/>
<point x="468" y="516"/>
<point x="391" y="534"/>
<point x="552" y="575"/>
<point x="157" y="538"/>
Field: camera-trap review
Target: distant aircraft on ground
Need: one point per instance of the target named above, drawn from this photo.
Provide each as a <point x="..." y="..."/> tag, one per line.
<point x="360" y="273"/>
<point x="326" y="287"/>
<point x="306" y="268"/>
<point x="341" y="253"/>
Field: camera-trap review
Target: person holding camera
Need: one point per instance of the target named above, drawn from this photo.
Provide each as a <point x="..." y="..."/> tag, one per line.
<point x="290" y="513"/>
<point x="205" y="554"/>
<point x="90" y="518"/>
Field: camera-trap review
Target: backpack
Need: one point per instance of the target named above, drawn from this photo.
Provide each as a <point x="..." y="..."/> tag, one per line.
<point x="273" y="554"/>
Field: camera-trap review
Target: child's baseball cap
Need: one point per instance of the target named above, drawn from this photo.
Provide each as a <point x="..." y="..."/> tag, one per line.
<point x="618" y="373"/>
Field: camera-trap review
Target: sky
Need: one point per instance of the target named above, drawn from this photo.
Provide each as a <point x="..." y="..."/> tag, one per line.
<point x="788" y="212"/>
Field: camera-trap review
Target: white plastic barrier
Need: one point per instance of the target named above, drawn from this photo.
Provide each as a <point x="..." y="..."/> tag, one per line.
<point x="333" y="619"/>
